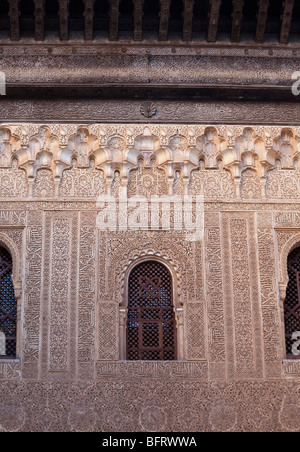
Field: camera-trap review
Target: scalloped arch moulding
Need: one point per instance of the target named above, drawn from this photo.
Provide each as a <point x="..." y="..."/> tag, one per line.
<point x="72" y="278"/>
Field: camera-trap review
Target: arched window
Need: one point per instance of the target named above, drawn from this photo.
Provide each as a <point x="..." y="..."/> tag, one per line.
<point x="151" y="325"/>
<point x="292" y="304"/>
<point x="8" y="308"/>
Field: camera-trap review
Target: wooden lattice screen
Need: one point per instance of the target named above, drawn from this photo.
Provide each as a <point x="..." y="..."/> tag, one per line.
<point x="8" y="307"/>
<point x="292" y="302"/>
<point x="151" y="328"/>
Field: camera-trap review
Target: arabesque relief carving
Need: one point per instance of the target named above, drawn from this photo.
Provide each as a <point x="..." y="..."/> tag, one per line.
<point x="230" y="162"/>
<point x="72" y="278"/>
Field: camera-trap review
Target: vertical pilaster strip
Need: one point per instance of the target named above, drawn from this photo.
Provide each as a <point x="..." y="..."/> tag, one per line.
<point x="60" y="295"/>
<point x="108" y="310"/>
<point x="47" y="251"/>
<point x="270" y="303"/>
<point x="32" y="302"/>
<point x="195" y="310"/>
<point x="195" y="335"/>
<point x="215" y="303"/>
<point x="59" y="303"/>
<point x="242" y="299"/>
<point x="108" y="331"/>
<point x="87" y="297"/>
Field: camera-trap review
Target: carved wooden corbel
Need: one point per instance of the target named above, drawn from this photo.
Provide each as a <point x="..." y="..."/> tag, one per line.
<point x="138" y="19"/>
<point x="89" y="14"/>
<point x="214" y="15"/>
<point x="39" y="34"/>
<point x="164" y="19"/>
<point x="188" y="19"/>
<point x="64" y="19"/>
<point x="14" y="14"/>
<point x="286" y="21"/>
<point x="237" y="20"/>
<point x="114" y="20"/>
<point x="262" y="20"/>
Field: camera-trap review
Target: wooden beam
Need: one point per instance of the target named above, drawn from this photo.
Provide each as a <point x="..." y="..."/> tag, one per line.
<point x="89" y="14"/>
<point x="64" y="19"/>
<point x="14" y="14"/>
<point x="138" y="20"/>
<point x="237" y="20"/>
<point x="214" y="16"/>
<point x="188" y="19"/>
<point x="39" y="14"/>
<point x="164" y="20"/>
<point x="287" y="18"/>
<point x="262" y="20"/>
<point x="113" y="33"/>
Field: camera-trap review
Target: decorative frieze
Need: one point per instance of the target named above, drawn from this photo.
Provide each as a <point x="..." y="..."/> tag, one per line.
<point x="172" y="398"/>
<point x="12" y="218"/>
<point x="220" y="162"/>
<point x="173" y="370"/>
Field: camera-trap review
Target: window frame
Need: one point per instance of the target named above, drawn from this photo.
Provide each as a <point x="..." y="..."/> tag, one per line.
<point x="9" y="245"/>
<point x="158" y="322"/>
<point x="178" y="309"/>
<point x="296" y="249"/>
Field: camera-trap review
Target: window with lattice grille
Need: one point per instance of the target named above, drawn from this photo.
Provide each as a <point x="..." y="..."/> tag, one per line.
<point x="151" y="326"/>
<point x="292" y="302"/>
<point x="8" y="308"/>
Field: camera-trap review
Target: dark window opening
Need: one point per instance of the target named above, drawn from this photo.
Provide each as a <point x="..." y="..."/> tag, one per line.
<point x="176" y="18"/>
<point x="151" y="326"/>
<point x="292" y="304"/>
<point x="8" y="308"/>
<point x="101" y="20"/>
<point x="4" y="8"/>
<point x="27" y="11"/>
<point x="76" y="15"/>
<point x="52" y="16"/>
<point x="249" y="23"/>
<point x="151" y="16"/>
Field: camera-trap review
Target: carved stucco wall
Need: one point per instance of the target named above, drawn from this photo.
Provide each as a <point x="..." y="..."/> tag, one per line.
<point x="70" y="277"/>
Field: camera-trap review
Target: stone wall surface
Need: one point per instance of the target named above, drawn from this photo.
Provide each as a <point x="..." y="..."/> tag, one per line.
<point x="71" y="278"/>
